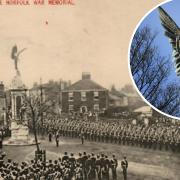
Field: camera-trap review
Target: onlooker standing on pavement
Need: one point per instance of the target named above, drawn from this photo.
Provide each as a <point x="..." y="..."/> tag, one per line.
<point x="82" y="137"/>
<point x="57" y="139"/>
<point x="50" y="136"/>
<point x="124" y="166"/>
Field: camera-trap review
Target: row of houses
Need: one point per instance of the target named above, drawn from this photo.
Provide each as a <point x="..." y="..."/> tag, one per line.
<point x="82" y="96"/>
<point x="86" y="95"/>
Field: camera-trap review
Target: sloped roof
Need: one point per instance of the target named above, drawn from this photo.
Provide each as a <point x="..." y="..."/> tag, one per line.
<point x="144" y="109"/>
<point x="132" y="94"/>
<point x="118" y="93"/>
<point x="114" y="97"/>
<point x="84" y="84"/>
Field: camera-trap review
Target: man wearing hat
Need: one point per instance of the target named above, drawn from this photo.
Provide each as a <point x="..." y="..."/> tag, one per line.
<point x="84" y="158"/>
<point x="93" y="166"/>
<point x="124" y="166"/>
<point x="79" y="159"/>
<point x="57" y="139"/>
<point x="72" y="162"/>
<point x="65" y="157"/>
<point x="98" y="167"/>
<point x="114" y="165"/>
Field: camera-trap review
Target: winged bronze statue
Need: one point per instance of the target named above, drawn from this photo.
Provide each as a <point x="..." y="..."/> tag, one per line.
<point x="172" y="31"/>
<point x="15" y="56"/>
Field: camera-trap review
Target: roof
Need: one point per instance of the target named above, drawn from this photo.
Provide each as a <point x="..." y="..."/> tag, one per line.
<point x="135" y="95"/>
<point x="118" y="94"/>
<point x="144" y="109"/>
<point x="114" y="97"/>
<point x="84" y="84"/>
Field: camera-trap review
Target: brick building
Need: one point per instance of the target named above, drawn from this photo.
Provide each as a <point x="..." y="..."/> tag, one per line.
<point x="84" y="95"/>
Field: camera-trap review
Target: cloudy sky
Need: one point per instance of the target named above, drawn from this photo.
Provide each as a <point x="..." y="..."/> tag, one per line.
<point x="92" y="36"/>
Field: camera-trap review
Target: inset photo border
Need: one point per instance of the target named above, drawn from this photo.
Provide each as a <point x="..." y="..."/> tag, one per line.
<point x="154" y="57"/>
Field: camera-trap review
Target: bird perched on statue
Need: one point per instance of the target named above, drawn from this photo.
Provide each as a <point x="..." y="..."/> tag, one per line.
<point x="172" y="31"/>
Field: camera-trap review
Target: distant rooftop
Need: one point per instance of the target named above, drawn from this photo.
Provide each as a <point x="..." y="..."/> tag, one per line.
<point x="85" y="84"/>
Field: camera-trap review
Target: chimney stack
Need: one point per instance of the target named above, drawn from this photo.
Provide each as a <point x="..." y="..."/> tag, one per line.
<point x="86" y="75"/>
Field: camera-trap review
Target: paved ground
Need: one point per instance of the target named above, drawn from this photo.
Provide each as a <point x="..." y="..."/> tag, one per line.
<point x="144" y="164"/>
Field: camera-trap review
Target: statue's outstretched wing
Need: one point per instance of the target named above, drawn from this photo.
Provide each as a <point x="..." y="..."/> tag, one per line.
<point x="171" y="28"/>
<point x="20" y="52"/>
<point x="172" y="32"/>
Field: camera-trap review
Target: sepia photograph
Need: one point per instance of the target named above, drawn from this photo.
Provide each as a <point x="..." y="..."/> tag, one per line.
<point x="69" y="105"/>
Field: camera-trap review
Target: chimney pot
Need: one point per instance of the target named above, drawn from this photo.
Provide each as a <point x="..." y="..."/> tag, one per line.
<point x="86" y="75"/>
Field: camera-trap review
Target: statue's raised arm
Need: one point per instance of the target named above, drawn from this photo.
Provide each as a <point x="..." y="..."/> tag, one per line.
<point x="15" y="56"/>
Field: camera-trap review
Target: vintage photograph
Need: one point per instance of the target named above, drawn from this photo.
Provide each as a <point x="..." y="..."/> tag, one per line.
<point x="68" y="107"/>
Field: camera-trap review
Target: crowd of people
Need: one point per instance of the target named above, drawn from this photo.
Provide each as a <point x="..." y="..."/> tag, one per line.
<point x="161" y="134"/>
<point x="158" y="135"/>
<point x="68" y="167"/>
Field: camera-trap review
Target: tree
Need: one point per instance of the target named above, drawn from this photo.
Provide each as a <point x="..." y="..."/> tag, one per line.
<point x="151" y="71"/>
<point x="129" y="89"/>
<point x="169" y="100"/>
<point x="113" y="88"/>
<point x="35" y="108"/>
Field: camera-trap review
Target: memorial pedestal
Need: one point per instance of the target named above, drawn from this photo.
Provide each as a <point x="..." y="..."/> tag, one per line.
<point x="19" y="131"/>
<point x="19" y="135"/>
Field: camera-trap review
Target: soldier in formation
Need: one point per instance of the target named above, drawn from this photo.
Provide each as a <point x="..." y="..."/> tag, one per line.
<point x="84" y="167"/>
<point x="156" y="136"/>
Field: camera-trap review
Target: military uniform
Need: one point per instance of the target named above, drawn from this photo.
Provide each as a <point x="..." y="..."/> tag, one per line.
<point x="124" y="166"/>
<point x="114" y="164"/>
<point x="98" y="168"/>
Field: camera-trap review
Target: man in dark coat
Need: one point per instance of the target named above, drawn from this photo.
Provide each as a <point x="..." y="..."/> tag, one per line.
<point x="114" y="165"/>
<point x="50" y="136"/>
<point x="98" y="167"/>
<point x="57" y="139"/>
<point x="124" y="166"/>
<point x="65" y="157"/>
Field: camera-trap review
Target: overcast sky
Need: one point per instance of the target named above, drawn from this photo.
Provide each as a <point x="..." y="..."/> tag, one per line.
<point x="92" y="36"/>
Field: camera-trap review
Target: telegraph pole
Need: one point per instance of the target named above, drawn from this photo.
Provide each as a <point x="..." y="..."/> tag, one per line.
<point x="41" y="101"/>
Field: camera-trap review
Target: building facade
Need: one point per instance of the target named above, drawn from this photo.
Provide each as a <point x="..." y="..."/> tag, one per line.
<point x="84" y="96"/>
<point x="118" y="100"/>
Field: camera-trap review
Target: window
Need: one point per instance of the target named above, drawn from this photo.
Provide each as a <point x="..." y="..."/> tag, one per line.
<point x="96" y="95"/>
<point x="71" y="107"/>
<point x="83" y="96"/>
<point x="96" y="107"/>
<point x="71" y="97"/>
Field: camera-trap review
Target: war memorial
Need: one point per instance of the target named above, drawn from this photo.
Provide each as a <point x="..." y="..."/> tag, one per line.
<point x="83" y="146"/>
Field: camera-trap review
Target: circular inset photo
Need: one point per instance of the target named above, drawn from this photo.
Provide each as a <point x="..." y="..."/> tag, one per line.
<point x="154" y="58"/>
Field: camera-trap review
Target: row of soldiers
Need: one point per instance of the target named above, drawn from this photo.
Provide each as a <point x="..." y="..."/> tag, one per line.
<point x="83" y="167"/>
<point x="155" y="136"/>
